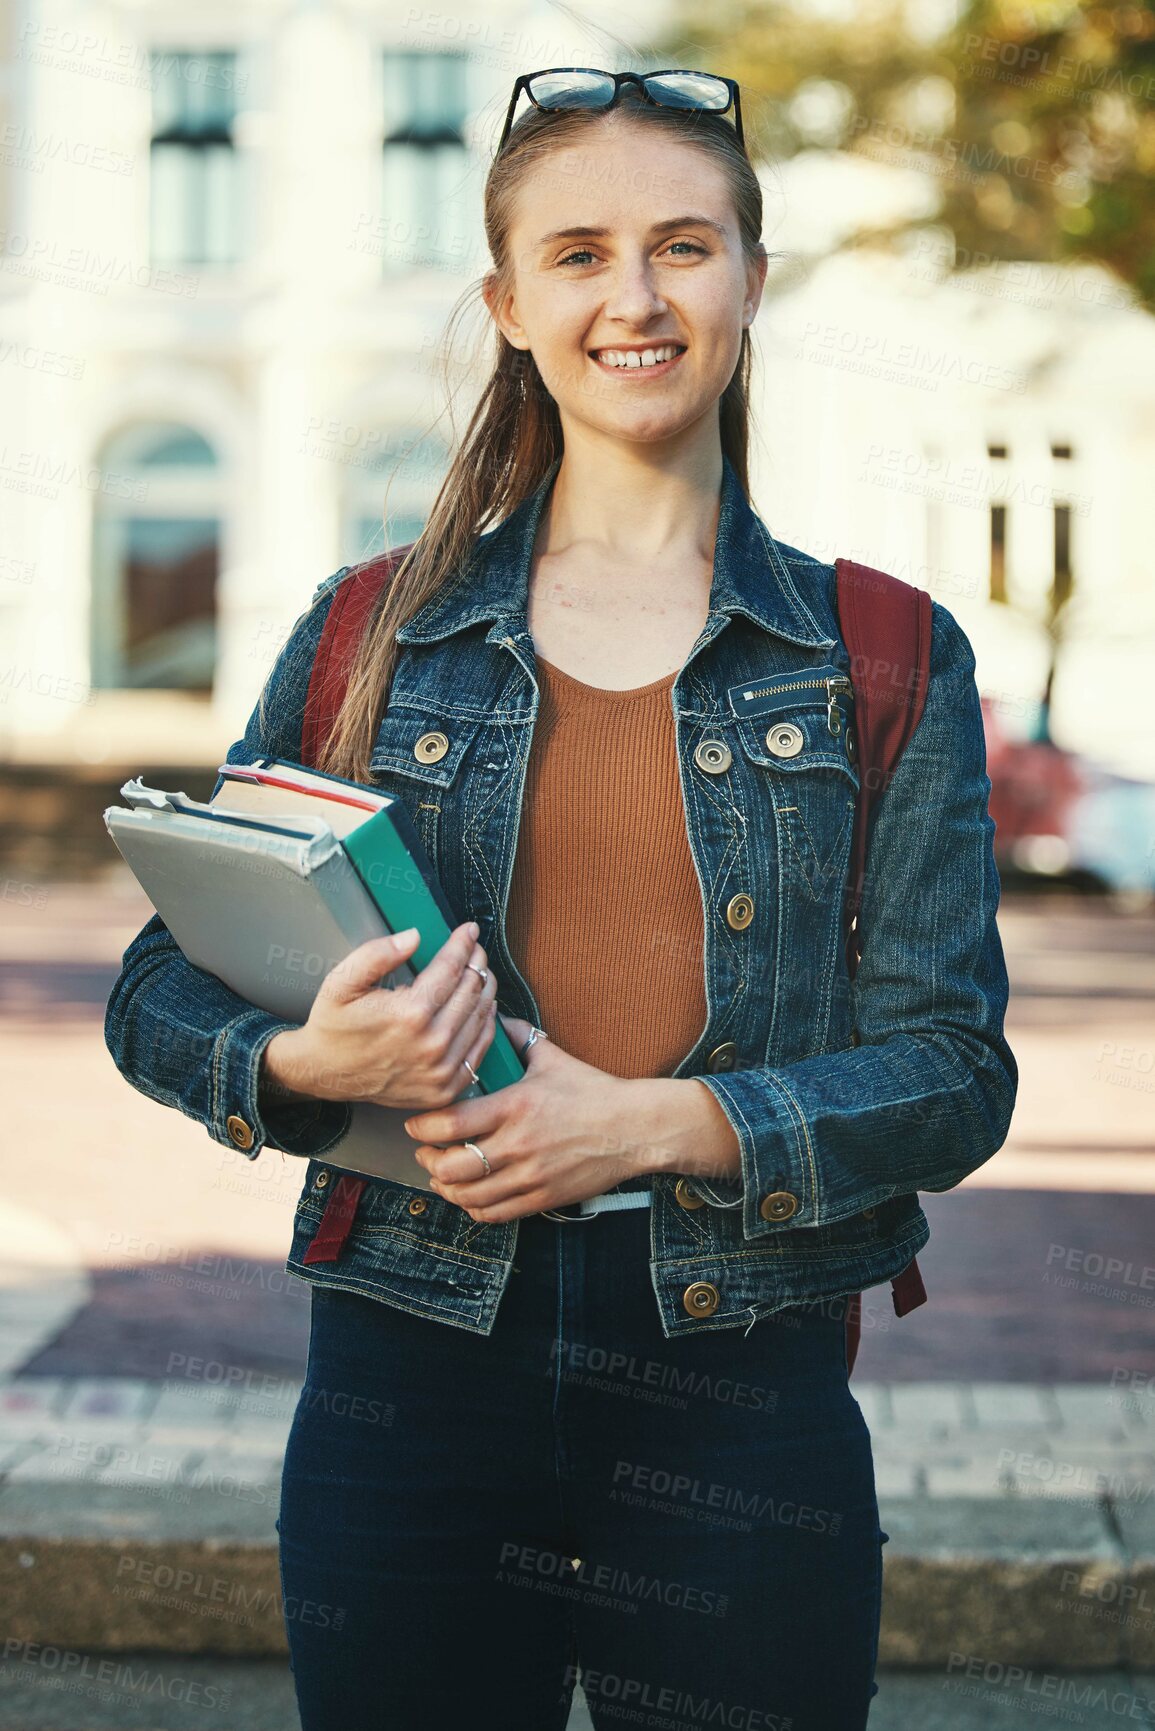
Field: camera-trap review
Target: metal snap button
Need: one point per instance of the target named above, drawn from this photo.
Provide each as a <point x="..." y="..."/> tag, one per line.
<point x="851" y="745"/>
<point x="418" y="1205"/>
<point x="713" y="755"/>
<point x="431" y="747"/>
<point x="779" y="1205"/>
<point x="869" y="1213"/>
<point x="320" y="1180"/>
<point x="722" y="1057"/>
<point x="701" y="1299"/>
<point x="739" y="912"/>
<point x="239" y="1132"/>
<point x="687" y="1196"/>
<point x="784" y="739"/>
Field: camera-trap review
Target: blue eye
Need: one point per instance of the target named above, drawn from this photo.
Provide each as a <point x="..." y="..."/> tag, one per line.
<point x="584" y="252"/>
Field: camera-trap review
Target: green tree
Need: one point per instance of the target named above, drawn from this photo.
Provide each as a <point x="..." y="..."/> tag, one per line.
<point x="1038" y="123"/>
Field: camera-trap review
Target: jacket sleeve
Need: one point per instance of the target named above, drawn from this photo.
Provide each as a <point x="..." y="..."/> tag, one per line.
<point x="926" y="1094"/>
<point x="179" y="1034"/>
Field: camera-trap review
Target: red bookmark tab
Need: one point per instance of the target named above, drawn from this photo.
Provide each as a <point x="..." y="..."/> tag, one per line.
<point x="336" y="1222"/>
<point x="907" y="1289"/>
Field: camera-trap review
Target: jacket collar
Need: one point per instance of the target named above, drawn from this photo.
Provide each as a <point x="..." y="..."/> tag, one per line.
<point x="751" y="575"/>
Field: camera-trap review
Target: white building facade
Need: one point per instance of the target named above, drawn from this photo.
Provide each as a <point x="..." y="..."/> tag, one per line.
<point x="232" y="239"/>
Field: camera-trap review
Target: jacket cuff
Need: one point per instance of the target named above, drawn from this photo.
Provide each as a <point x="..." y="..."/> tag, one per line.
<point x="306" y="1127"/>
<point x="778" y="1189"/>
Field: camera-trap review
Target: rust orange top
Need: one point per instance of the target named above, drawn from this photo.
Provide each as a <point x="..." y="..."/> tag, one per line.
<point x="605" y="913"/>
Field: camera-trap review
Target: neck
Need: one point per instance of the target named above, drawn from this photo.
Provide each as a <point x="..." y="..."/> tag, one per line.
<point x="634" y="505"/>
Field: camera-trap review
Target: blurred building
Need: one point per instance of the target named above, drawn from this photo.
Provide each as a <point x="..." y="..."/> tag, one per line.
<point x="231" y="242"/>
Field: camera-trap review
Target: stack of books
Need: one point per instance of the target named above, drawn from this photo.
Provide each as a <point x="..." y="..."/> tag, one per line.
<point x="273" y="882"/>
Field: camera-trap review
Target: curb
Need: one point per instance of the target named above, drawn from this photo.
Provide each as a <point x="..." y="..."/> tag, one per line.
<point x="1040" y="1582"/>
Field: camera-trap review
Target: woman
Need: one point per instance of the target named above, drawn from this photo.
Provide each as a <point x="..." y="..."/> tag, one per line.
<point x="673" y="1500"/>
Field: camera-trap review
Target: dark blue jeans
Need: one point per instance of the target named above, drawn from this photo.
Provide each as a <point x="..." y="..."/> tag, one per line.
<point x="469" y="1524"/>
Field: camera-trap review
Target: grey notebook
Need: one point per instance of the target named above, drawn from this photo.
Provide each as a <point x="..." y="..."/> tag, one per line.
<point x="269" y="906"/>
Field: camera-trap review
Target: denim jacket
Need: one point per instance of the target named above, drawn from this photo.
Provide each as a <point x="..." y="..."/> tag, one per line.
<point x="847" y="1098"/>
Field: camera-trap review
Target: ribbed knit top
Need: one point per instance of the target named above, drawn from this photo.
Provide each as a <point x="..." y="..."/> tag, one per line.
<point x="605" y="913"/>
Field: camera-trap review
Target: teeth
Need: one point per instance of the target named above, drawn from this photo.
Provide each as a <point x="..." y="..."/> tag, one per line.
<point x="631" y="357"/>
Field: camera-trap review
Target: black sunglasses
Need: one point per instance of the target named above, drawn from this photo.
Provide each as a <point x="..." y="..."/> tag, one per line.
<point x="562" y="87"/>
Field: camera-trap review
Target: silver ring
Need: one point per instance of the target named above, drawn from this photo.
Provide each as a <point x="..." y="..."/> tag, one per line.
<point x="482" y="973"/>
<point x="471" y="1070"/>
<point x="480" y="1155"/>
<point x="535" y="1036"/>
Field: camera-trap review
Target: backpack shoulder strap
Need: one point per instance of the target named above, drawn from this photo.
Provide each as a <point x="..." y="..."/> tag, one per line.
<point x="886" y="625"/>
<point x="350" y="611"/>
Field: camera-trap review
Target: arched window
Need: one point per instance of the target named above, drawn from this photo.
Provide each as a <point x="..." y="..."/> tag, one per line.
<point x="390" y="491"/>
<point x="156" y="553"/>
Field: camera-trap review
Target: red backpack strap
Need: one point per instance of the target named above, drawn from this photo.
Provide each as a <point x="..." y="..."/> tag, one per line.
<point x="886" y="625"/>
<point x="348" y="616"/>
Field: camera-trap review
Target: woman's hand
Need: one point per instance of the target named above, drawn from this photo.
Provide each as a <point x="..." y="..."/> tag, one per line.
<point x="407" y="1047"/>
<point x="552" y="1138"/>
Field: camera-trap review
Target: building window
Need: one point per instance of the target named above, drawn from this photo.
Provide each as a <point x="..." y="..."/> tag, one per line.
<point x="1062" y="580"/>
<point x="998" y="535"/>
<point x="424" y="207"/>
<point x="194" y="188"/>
<point x="1062" y="575"/>
<point x="998" y="553"/>
<point x="156" y="555"/>
<point x="389" y="499"/>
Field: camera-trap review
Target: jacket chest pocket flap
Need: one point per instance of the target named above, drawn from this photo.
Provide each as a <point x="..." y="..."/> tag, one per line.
<point x="809" y="772"/>
<point x="427" y="745"/>
<point x="417" y="756"/>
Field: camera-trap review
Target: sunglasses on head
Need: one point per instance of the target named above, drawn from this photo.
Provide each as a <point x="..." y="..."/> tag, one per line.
<point x="567" y="87"/>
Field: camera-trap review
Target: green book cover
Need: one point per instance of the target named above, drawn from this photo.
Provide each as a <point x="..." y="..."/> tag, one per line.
<point x="390" y="859"/>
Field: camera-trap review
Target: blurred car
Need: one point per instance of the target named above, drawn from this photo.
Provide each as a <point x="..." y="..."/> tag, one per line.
<point x="1062" y="819"/>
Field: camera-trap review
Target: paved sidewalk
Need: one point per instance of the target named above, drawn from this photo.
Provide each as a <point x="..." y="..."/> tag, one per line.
<point x="140" y="1514"/>
<point x="155" y="1344"/>
<point x="99" y="1693"/>
<point x="43" y="1283"/>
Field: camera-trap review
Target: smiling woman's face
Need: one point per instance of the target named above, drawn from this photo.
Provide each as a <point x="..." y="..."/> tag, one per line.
<point x="659" y="267"/>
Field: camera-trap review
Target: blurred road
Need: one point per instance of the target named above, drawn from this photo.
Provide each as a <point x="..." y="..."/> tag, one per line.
<point x="1040" y="1265"/>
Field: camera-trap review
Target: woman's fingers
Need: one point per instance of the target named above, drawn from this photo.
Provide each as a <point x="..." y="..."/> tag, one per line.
<point x="363" y="968"/>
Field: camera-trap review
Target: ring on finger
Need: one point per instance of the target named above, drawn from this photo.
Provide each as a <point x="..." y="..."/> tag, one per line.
<point x="482" y="973"/>
<point x="480" y="1155"/>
